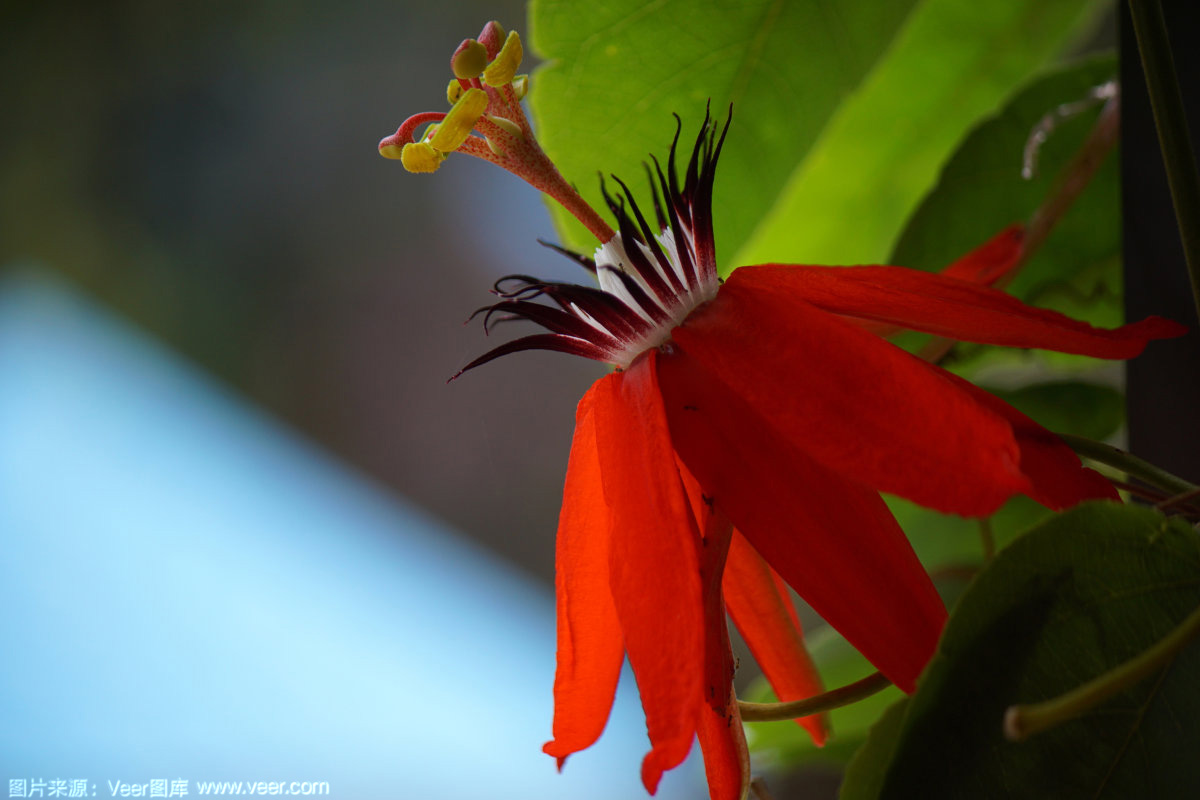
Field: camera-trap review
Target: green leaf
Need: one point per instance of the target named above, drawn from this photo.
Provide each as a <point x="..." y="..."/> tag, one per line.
<point x="615" y="72"/>
<point x="980" y="191"/>
<point x="954" y="61"/>
<point x="1082" y="409"/>
<point x="1077" y="596"/>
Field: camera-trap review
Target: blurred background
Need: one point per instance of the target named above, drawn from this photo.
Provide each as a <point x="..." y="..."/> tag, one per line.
<point x="208" y="171"/>
<point x="247" y="529"/>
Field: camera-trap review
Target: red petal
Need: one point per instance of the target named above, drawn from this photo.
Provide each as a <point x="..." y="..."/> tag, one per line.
<point x="653" y="561"/>
<point x="590" y="648"/>
<point x="762" y="610"/>
<point x="857" y="404"/>
<point x="726" y="758"/>
<point x="834" y="541"/>
<point x="1058" y="479"/>
<point x="946" y="306"/>
<point x="991" y="261"/>
<point x="990" y="264"/>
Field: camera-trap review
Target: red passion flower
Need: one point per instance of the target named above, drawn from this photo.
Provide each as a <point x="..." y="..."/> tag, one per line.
<point x="741" y="443"/>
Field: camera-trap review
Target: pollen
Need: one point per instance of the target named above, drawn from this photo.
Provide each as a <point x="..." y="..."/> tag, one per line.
<point x="504" y="68"/>
<point x="418" y="157"/>
<point x="457" y="125"/>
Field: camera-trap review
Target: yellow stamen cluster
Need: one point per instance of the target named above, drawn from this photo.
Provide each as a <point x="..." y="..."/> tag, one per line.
<point x="471" y="103"/>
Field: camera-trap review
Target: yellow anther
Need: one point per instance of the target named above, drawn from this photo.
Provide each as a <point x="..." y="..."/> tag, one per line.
<point x="420" y="157"/>
<point x="457" y="125"/>
<point x="504" y="68"/>
<point x="389" y="149"/>
<point x="469" y="59"/>
<point x="454" y="90"/>
<point x="520" y="85"/>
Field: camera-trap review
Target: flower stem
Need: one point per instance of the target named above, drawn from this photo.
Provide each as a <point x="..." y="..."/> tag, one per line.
<point x="1178" y="500"/>
<point x="1070" y="183"/>
<point x="1166" y="100"/>
<point x="843" y="696"/>
<point x="1126" y="462"/>
<point x="1022" y="721"/>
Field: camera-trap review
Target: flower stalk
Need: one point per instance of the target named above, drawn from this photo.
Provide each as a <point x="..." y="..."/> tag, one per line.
<point x="836" y="698"/>
<point x="1127" y="462"/>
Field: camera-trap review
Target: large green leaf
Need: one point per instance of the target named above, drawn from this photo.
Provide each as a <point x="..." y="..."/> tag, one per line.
<point x="1077" y="596"/>
<point x="616" y="70"/>
<point x="954" y="61"/>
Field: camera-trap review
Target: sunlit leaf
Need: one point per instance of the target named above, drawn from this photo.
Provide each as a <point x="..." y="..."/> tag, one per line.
<point x="617" y="70"/>
<point x="953" y="62"/>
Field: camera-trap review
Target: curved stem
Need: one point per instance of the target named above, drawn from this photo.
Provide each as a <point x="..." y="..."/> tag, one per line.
<point x="1131" y="464"/>
<point x="1171" y="121"/>
<point x="844" y="696"/>
<point x="1022" y="721"/>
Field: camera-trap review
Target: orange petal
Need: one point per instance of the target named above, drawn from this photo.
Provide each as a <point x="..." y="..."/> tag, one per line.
<point x="833" y="540"/>
<point x="653" y="561"/>
<point x="726" y="758"/>
<point x="590" y="649"/>
<point x="761" y="608"/>
<point x="857" y="404"/>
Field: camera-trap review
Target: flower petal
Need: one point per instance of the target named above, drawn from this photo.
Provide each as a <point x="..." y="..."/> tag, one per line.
<point x="950" y="307"/>
<point x="833" y="540"/>
<point x="990" y="264"/>
<point x="716" y="535"/>
<point x="859" y="405"/>
<point x="590" y="648"/>
<point x="1058" y="479"/>
<point x="653" y="561"/>
<point x="726" y="757"/>
<point x="761" y="608"/>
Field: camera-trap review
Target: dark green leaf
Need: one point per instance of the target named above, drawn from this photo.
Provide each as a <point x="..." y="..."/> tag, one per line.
<point x="867" y="770"/>
<point x="1075" y="597"/>
<point x="980" y="191"/>
<point x="1082" y="409"/>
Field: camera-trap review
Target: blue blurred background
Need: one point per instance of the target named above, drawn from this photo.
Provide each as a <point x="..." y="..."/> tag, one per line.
<point x="247" y="531"/>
